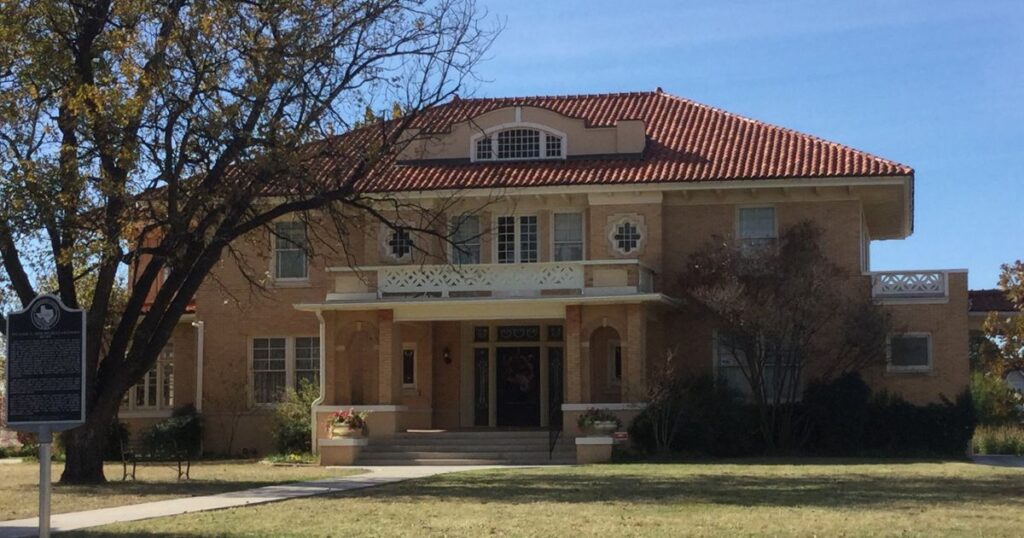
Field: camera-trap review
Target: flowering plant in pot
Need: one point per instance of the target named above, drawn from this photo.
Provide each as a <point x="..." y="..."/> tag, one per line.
<point x="347" y="423"/>
<point x="598" y="421"/>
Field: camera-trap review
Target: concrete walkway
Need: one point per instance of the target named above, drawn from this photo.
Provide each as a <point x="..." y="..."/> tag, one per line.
<point x="375" y="476"/>
<point x="999" y="461"/>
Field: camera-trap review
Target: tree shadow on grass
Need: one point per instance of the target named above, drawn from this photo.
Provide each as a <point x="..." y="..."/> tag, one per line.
<point x="737" y="489"/>
<point x="142" y="488"/>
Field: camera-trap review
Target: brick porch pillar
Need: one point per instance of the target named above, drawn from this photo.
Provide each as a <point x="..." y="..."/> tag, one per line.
<point x="634" y="371"/>
<point x="573" y="355"/>
<point x="389" y="353"/>
<point x="330" y="357"/>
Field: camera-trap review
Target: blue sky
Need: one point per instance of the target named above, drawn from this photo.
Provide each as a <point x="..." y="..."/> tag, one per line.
<point x="937" y="85"/>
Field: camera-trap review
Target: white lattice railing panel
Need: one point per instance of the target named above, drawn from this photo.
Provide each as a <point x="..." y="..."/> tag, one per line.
<point x="909" y="284"/>
<point x="445" y="279"/>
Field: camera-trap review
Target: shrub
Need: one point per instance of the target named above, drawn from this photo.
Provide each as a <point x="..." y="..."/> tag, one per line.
<point x="182" y="431"/>
<point x="1004" y="440"/>
<point x="290" y="422"/>
<point x="837" y="415"/>
<point x="898" y="428"/>
<point x="706" y="419"/>
<point x="995" y="402"/>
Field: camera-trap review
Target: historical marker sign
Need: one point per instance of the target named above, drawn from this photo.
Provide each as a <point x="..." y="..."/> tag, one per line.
<point x="45" y="366"/>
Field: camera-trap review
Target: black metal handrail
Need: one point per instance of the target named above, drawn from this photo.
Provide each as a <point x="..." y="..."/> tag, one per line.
<point x="554" y="425"/>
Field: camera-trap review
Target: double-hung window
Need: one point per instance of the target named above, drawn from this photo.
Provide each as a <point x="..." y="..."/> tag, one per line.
<point x="777" y="375"/>
<point x="517" y="239"/>
<point x="269" y="369"/>
<point x="279" y="363"/>
<point x="465" y="238"/>
<point x="307" y="361"/>
<point x="290" y="251"/>
<point x="568" y="237"/>
<point x="756" y="228"/>
<point x="156" y="388"/>
<point x="910" y="352"/>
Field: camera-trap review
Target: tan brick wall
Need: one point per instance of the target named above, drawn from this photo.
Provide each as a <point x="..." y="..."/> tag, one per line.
<point x="446" y="377"/>
<point x="947" y="323"/>
<point x="674" y="229"/>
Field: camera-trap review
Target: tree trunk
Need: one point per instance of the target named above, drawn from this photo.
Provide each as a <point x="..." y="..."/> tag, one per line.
<point x="84" y="448"/>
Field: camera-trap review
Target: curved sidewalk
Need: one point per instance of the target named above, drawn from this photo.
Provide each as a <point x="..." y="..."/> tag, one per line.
<point x="375" y="476"/>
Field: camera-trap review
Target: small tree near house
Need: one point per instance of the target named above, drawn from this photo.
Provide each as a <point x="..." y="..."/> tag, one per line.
<point x="1004" y="352"/>
<point x="785" y="315"/>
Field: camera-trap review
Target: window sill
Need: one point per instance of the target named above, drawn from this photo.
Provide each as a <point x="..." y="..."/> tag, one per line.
<point x="292" y="283"/>
<point x="897" y="371"/>
<point x="145" y="413"/>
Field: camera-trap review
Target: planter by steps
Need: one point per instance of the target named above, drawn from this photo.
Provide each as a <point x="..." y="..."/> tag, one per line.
<point x="341" y="451"/>
<point x="594" y="449"/>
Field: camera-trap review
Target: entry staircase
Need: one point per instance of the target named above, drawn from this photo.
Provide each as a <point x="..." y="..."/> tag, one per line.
<point x="468" y="448"/>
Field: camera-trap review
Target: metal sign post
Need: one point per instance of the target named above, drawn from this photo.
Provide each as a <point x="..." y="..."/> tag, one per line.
<point x="45" y="443"/>
<point x="45" y="379"/>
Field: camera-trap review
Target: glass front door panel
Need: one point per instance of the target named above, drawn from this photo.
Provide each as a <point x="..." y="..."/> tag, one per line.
<point x="518" y="381"/>
<point x="481" y="383"/>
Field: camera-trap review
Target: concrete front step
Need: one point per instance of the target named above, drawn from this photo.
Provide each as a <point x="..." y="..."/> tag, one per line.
<point x="504" y="454"/>
<point x="475" y="436"/>
<point x="461" y="447"/>
<point x="467" y="448"/>
<point x="461" y="461"/>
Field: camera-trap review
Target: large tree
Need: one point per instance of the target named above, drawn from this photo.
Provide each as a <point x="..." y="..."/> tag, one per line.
<point x="786" y="314"/>
<point x="152" y="134"/>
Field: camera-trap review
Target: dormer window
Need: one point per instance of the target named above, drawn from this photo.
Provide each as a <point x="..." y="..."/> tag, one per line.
<point x="519" y="143"/>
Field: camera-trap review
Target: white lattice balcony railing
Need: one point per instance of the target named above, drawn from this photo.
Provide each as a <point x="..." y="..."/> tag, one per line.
<point x="510" y="278"/>
<point x="909" y="284"/>
<point x="594" y="277"/>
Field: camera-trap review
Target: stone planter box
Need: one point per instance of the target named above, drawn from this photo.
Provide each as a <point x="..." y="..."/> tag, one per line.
<point x="341" y="451"/>
<point x="597" y="449"/>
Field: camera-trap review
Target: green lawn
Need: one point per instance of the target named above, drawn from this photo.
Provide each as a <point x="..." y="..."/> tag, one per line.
<point x="19" y="484"/>
<point x="815" y="498"/>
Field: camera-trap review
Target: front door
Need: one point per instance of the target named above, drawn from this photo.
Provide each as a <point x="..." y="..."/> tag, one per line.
<point x="518" y="380"/>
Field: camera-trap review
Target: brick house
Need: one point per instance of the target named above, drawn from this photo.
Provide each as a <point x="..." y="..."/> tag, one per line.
<point x="575" y="214"/>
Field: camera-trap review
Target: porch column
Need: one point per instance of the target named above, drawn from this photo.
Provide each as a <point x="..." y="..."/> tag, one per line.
<point x="634" y="371"/>
<point x="390" y="350"/>
<point x="330" y="358"/>
<point x="573" y="360"/>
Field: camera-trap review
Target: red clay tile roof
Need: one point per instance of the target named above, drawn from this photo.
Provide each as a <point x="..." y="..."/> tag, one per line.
<point x="687" y="142"/>
<point x="990" y="301"/>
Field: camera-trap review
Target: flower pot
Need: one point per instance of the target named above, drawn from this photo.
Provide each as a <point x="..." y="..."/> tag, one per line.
<point x="343" y="430"/>
<point x="603" y="427"/>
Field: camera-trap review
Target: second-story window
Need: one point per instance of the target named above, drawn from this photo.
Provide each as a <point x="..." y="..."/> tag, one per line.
<point x="568" y="237"/>
<point x="756" y="227"/>
<point x="399" y="243"/>
<point x="465" y="238"/>
<point x="517" y="239"/>
<point x="626" y="234"/>
<point x="290" y="251"/>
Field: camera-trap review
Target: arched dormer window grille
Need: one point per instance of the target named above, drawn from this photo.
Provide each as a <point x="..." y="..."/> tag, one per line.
<point x="519" y="143"/>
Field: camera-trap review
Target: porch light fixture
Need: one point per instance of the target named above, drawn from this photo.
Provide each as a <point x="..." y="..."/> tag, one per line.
<point x="446" y="354"/>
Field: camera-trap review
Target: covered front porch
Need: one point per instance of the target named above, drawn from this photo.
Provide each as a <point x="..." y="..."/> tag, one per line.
<point x="485" y="364"/>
